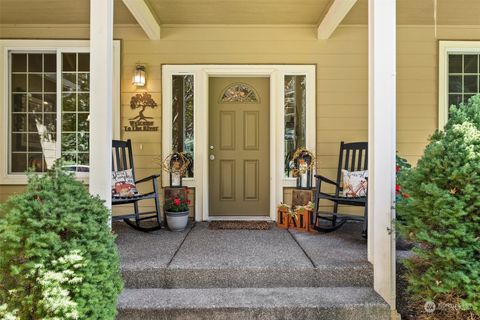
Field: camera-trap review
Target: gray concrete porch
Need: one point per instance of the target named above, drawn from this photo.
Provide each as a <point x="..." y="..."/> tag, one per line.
<point x="212" y="274"/>
<point x="199" y="257"/>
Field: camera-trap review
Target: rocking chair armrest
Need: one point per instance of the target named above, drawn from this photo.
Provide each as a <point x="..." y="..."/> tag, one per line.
<point x="153" y="176"/>
<point x="325" y="179"/>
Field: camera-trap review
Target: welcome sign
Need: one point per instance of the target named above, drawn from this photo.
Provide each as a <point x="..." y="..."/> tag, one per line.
<point x="141" y="122"/>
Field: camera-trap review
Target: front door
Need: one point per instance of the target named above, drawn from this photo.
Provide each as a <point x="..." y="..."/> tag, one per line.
<point x="239" y="148"/>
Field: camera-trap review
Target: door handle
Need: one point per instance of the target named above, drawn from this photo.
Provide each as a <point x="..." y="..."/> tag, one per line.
<point x="212" y="157"/>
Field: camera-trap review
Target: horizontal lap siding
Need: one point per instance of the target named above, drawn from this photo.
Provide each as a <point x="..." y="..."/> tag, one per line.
<point x="341" y="66"/>
<point x="417" y="83"/>
<point x="342" y="77"/>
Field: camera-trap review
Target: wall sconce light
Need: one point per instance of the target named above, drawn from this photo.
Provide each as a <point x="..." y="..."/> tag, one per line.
<point x="139" y="76"/>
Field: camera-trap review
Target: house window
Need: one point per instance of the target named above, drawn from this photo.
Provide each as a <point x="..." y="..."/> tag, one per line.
<point x="295" y="117"/>
<point x="35" y="113"/>
<point x="32" y="110"/>
<point x="459" y="74"/>
<point x="75" y="109"/>
<point x="463" y="75"/>
<point x="47" y="106"/>
<point x="182" y="117"/>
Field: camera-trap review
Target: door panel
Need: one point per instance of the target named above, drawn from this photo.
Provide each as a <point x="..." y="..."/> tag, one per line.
<point x="250" y="130"/>
<point x="227" y="130"/>
<point x="239" y="161"/>
<point x="227" y="180"/>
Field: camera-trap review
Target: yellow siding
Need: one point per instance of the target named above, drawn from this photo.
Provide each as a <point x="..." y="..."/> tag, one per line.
<point x="342" y="74"/>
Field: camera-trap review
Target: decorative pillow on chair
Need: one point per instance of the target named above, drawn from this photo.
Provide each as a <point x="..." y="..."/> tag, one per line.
<point x="355" y="183"/>
<point x="123" y="184"/>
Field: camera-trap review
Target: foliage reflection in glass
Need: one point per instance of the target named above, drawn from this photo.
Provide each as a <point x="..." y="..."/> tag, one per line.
<point x="295" y="117"/>
<point x="182" y="117"/>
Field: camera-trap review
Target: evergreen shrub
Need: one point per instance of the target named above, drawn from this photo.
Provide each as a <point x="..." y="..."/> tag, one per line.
<point x="442" y="216"/>
<point x="58" y="259"/>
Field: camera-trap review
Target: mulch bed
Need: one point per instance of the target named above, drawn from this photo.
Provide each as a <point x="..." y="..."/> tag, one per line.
<point x="239" y="225"/>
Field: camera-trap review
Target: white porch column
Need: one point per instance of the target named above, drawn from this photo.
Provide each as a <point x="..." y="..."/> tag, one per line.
<point x="101" y="64"/>
<point x="382" y="144"/>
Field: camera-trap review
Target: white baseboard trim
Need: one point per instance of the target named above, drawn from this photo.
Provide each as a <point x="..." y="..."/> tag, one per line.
<point x="239" y="218"/>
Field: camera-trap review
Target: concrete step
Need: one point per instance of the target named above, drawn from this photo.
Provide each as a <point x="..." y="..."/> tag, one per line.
<point x="340" y="275"/>
<point x="348" y="303"/>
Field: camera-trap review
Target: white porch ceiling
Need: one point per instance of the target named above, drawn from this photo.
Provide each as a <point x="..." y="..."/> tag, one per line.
<point x="450" y="12"/>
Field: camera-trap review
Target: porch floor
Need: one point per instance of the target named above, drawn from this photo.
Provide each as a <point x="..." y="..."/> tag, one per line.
<point x="199" y="257"/>
<point x="246" y="274"/>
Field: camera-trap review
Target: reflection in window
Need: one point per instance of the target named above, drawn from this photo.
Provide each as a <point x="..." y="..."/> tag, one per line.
<point x="182" y="117"/>
<point x="239" y="93"/>
<point x="463" y="77"/>
<point x="33" y="111"/>
<point x="295" y="117"/>
<point x="75" y="109"/>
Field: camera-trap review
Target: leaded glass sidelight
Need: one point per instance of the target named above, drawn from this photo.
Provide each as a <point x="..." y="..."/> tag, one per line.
<point x="463" y="77"/>
<point x="239" y="93"/>
<point x="294" y="117"/>
<point x="182" y="117"/>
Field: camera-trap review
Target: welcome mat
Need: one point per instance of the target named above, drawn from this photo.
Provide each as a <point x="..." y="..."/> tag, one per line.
<point x="239" y="225"/>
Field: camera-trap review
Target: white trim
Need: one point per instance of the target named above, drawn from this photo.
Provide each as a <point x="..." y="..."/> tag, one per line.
<point x="144" y="17"/>
<point x="101" y="100"/>
<point x="57" y="46"/>
<point x="337" y="11"/>
<point x="444" y="49"/>
<point x="201" y="75"/>
<point x="239" y="218"/>
<point x="382" y="146"/>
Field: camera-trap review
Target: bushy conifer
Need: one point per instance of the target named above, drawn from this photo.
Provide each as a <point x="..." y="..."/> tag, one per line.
<point x="442" y="214"/>
<point x="58" y="259"/>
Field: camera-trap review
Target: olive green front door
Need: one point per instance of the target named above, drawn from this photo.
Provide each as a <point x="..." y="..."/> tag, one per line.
<point x="239" y="149"/>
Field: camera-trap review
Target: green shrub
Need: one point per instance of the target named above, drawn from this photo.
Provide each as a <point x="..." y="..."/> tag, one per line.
<point x="442" y="214"/>
<point x="58" y="259"/>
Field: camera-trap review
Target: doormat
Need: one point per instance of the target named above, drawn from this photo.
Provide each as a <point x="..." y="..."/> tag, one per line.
<point x="239" y="225"/>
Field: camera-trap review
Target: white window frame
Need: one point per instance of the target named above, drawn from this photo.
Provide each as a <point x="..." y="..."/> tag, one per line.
<point x="446" y="48"/>
<point x="201" y="74"/>
<point x="58" y="46"/>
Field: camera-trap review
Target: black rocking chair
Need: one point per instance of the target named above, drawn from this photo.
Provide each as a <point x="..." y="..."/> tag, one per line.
<point x="353" y="157"/>
<point x="122" y="159"/>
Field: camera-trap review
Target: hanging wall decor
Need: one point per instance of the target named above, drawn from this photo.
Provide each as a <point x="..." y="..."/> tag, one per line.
<point x="141" y="122"/>
<point x="304" y="164"/>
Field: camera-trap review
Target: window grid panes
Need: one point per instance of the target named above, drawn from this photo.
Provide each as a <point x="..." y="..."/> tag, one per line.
<point x="33" y="110"/>
<point x="182" y="117"/>
<point x="294" y="117"/>
<point x="75" y="108"/>
<point x="463" y="77"/>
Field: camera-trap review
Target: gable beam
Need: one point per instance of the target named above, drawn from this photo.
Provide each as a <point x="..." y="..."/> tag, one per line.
<point x="144" y="17"/>
<point x="337" y="11"/>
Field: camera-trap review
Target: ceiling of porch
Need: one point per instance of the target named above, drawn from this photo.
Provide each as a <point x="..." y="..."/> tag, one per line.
<point x="450" y="12"/>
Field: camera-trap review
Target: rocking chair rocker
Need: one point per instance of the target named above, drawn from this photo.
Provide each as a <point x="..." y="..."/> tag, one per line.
<point x="121" y="150"/>
<point x="353" y="157"/>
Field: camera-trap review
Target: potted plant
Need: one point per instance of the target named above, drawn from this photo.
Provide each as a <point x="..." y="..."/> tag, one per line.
<point x="176" y="211"/>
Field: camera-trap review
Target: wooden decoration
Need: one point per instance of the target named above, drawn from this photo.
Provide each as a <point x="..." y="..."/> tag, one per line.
<point x="175" y="192"/>
<point x="283" y="218"/>
<point x="302" y="220"/>
<point x="301" y="197"/>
